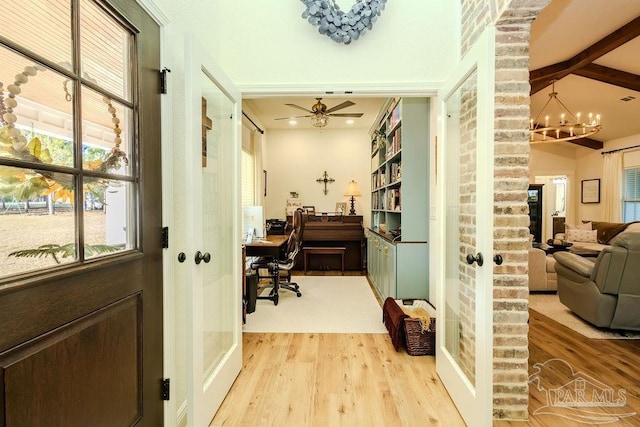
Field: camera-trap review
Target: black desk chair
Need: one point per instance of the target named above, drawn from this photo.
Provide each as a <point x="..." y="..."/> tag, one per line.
<point x="279" y="269"/>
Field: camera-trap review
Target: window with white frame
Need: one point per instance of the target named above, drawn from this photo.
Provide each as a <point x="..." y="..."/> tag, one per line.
<point x="631" y="195"/>
<point x="248" y="180"/>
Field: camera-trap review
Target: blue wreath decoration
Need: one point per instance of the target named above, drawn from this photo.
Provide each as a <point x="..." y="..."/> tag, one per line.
<point x="343" y="27"/>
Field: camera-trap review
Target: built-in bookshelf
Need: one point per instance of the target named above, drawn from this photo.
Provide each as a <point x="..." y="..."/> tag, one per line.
<point x="399" y="199"/>
<point x="399" y="168"/>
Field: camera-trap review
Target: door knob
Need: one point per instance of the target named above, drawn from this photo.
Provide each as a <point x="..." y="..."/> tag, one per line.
<point x="478" y="259"/>
<point x="182" y="257"/>
<point x="206" y="257"/>
<point x="497" y="258"/>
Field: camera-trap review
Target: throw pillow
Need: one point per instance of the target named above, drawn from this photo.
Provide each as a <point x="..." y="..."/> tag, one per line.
<point x="587" y="236"/>
<point x="583" y="226"/>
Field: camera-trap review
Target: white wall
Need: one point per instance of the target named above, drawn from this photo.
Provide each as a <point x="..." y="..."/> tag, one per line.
<point x="267" y="43"/>
<point x="579" y="164"/>
<point x="296" y="158"/>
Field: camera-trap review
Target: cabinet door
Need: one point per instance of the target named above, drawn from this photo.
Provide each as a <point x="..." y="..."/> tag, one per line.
<point x="378" y="271"/>
<point x="389" y="263"/>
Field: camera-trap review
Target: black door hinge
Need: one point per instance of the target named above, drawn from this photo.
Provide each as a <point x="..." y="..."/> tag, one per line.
<point x="165" y="388"/>
<point x="165" y="237"/>
<point x="163" y="79"/>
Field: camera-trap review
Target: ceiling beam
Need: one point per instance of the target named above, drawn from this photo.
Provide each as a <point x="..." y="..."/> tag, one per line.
<point x="542" y="77"/>
<point x="611" y="76"/>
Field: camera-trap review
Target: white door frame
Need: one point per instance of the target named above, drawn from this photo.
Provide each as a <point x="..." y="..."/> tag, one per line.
<point x="475" y="402"/>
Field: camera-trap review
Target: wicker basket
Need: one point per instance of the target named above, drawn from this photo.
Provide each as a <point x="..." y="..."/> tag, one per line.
<point x="419" y="342"/>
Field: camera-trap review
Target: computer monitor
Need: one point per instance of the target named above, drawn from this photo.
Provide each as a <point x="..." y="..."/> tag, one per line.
<point x="253" y="219"/>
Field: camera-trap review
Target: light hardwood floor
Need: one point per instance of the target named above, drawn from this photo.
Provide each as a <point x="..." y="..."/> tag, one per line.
<point x="615" y="363"/>
<point x="334" y="380"/>
<point x="359" y="380"/>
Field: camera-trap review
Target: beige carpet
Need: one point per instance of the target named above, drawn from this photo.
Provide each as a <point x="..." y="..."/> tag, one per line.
<point x="332" y="304"/>
<point x="549" y="305"/>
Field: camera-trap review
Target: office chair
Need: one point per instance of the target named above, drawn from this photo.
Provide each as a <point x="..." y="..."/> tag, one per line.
<point x="279" y="270"/>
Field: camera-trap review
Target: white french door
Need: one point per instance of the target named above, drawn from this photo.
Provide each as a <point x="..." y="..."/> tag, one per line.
<point x="464" y="330"/>
<point x="214" y="319"/>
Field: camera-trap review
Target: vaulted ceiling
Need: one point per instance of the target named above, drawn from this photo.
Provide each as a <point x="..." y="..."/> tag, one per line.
<point x="593" y="50"/>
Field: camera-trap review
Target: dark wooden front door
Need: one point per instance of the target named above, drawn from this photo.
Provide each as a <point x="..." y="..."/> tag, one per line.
<point x="81" y="342"/>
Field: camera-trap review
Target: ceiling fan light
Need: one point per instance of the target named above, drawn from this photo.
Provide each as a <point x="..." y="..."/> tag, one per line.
<point x="319" y="120"/>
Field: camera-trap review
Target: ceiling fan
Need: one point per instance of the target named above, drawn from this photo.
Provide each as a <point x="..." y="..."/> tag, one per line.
<point x="320" y="114"/>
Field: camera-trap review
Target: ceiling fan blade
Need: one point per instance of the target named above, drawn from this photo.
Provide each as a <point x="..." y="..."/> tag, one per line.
<point x="346" y="114"/>
<point x="292" y="117"/>
<point x="345" y="104"/>
<point x="299" y="107"/>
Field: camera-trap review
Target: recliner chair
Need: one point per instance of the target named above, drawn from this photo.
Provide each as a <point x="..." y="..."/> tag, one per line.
<point x="279" y="270"/>
<point x="605" y="293"/>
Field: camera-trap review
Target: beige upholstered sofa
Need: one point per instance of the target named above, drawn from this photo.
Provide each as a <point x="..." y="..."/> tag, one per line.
<point x="542" y="270"/>
<point x="605" y="293"/>
<point x="595" y="235"/>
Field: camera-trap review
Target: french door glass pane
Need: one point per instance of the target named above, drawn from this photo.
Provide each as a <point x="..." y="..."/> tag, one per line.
<point x="106" y="124"/>
<point x="21" y="21"/>
<point x="460" y="310"/>
<point x="37" y="220"/>
<point x="217" y="200"/>
<point x="105" y="51"/>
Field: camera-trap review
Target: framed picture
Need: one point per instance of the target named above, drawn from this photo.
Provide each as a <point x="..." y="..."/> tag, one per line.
<point x="341" y="208"/>
<point x="590" y="191"/>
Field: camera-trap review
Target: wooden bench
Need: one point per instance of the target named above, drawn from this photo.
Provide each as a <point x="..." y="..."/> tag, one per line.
<point x="333" y="250"/>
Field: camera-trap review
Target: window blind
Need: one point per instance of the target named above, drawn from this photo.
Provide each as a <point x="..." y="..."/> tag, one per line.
<point x="631" y="195"/>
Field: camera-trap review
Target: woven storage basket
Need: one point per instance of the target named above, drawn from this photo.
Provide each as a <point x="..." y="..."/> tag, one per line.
<point x="419" y="342"/>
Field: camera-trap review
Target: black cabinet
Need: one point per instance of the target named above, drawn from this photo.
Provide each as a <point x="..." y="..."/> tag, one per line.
<point x="535" y="211"/>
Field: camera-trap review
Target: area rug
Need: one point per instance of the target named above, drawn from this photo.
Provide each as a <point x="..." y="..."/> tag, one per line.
<point x="329" y="304"/>
<point x="549" y="305"/>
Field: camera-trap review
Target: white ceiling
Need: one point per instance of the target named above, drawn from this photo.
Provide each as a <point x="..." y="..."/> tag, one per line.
<point x="268" y="109"/>
<point x="565" y="28"/>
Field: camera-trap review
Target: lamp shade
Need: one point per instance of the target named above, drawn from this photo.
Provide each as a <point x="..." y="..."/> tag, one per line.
<point x="352" y="189"/>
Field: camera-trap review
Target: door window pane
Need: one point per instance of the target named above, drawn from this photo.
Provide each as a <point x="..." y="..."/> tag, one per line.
<point x="106" y="134"/>
<point x="36" y="121"/>
<point x="37" y="220"/>
<point x="105" y="51"/>
<point x="108" y="223"/>
<point x="21" y="22"/>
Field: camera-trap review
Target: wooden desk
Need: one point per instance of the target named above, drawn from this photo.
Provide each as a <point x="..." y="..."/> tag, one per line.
<point x="271" y="245"/>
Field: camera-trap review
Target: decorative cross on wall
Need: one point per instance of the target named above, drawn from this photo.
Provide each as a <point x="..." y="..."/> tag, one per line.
<point x="326" y="180"/>
<point x="207" y="124"/>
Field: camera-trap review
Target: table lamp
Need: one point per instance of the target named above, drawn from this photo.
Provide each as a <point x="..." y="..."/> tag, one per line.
<point x="353" y="191"/>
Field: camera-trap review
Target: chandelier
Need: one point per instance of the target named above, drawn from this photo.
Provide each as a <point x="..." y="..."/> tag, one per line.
<point x="570" y="127"/>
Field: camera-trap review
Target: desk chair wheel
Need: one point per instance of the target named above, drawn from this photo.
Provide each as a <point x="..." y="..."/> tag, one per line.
<point x="275" y="299"/>
<point x="298" y="294"/>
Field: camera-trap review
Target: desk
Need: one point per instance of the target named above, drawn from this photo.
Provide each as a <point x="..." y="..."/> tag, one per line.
<point x="271" y="245"/>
